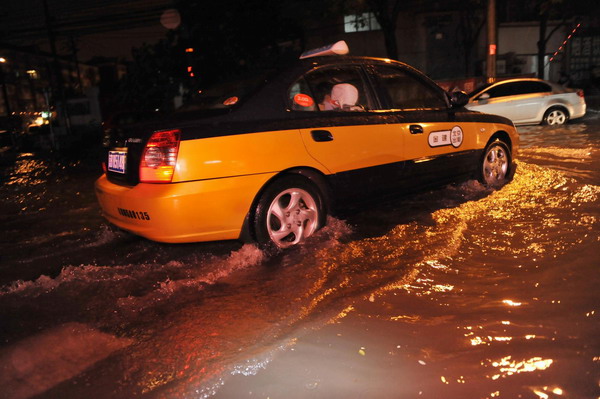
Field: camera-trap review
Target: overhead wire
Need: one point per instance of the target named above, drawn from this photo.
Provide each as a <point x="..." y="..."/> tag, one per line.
<point x="103" y="16"/>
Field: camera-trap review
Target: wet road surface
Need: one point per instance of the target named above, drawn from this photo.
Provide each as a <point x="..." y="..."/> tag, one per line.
<point x="462" y="292"/>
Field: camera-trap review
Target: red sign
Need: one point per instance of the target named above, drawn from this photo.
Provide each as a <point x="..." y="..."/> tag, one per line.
<point x="231" y="101"/>
<point x="304" y="100"/>
<point x="492" y="49"/>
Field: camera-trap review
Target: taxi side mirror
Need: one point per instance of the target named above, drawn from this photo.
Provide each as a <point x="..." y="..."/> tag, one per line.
<point x="458" y="99"/>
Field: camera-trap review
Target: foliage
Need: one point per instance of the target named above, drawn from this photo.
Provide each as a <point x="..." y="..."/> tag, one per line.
<point x="385" y="11"/>
<point x="230" y="36"/>
<point x="154" y="77"/>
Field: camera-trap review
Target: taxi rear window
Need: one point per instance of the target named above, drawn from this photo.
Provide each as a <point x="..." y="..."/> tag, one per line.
<point x="225" y="95"/>
<point x="339" y="88"/>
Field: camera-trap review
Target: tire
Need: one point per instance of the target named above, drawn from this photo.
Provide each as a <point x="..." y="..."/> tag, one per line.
<point x="290" y="210"/>
<point x="555" y="116"/>
<point x="496" y="164"/>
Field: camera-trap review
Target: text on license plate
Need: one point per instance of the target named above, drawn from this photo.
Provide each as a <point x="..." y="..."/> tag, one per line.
<point x="117" y="161"/>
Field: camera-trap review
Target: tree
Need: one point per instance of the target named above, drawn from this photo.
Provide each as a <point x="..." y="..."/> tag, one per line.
<point x="545" y="10"/>
<point x="154" y="77"/>
<point x="215" y="41"/>
<point x="472" y="20"/>
<point x="230" y="36"/>
<point x="385" y="11"/>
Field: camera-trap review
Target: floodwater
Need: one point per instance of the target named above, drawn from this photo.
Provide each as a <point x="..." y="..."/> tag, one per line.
<point x="462" y="292"/>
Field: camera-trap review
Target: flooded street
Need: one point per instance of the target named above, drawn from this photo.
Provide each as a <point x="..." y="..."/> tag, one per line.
<point x="462" y="292"/>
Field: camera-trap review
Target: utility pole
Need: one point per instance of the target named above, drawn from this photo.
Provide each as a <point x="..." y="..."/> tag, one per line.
<point x="63" y="113"/>
<point x="4" y="88"/>
<point x="75" y="51"/>
<point x="492" y="42"/>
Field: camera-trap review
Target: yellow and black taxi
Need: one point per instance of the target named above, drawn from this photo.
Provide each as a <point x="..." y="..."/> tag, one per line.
<point x="268" y="159"/>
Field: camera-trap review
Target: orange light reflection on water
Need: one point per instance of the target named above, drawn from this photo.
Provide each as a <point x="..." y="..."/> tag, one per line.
<point x="507" y="366"/>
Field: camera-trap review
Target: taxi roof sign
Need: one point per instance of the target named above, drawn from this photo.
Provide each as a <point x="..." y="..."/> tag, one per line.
<point x="337" y="48"/>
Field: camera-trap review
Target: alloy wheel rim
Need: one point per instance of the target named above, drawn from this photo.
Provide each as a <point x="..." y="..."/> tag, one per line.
<point x="556" y="118"/>
<point x="292" y="217"/>
<point x="495" y="165"/>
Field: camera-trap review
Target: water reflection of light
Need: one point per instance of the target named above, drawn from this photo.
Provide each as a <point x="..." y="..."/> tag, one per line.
<point x="436" y="264"/>
<point x="460" y="380"/>
<point x="28" y="172"/>
<point x="541" y="392"/>
<point x="587" y="193"/>
<point x="341" y="315"/>
<point x="510" y="302"/>
<point x="410" y="319"/>
<point x="488" y="340"/>
<point x="508" y="367"/>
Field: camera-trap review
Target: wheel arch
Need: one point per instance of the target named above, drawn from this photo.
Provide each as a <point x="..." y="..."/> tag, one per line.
<point x="502" y="136"/>
<point x="552" y="107"/>
<point x="312" y="175"/>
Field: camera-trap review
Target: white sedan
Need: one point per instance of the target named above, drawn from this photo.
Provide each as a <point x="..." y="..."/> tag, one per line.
<point x="529" y="101"/>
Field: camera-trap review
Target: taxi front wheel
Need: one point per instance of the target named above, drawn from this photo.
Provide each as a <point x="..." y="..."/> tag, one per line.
<point x="290" y="210"/>
<point x="496" y="164"/>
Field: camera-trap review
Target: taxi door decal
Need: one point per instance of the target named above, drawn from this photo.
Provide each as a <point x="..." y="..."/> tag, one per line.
<point x="441" y="138"/>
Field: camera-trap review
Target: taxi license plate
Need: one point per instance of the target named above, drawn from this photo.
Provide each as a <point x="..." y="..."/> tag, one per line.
<point x="117" y="160"/>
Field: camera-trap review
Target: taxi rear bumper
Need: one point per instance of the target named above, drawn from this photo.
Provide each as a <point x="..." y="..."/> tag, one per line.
<point x="204" y="210"/>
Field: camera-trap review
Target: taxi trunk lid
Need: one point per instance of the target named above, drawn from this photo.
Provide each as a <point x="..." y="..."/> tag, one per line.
<point x="122" y="158"/>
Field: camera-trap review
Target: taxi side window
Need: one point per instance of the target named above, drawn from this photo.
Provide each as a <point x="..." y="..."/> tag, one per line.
<point x="405" y="91"/>
<point x="330" y="89"/>
<point x="301" y="98"/>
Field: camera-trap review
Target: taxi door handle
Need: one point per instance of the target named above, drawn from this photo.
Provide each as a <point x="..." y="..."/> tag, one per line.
<point x="321" y="135"/>
<point x="416" y="129"/>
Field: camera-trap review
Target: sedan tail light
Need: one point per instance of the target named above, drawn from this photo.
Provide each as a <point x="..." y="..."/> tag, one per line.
<point x="580" y="93"/>
<point x="160" y="157"/>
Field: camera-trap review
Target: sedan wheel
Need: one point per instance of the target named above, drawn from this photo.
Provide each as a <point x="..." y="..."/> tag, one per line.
<point x="289" y="211"/>
<point x="496" y="164"/>
<point x="556" y="116"/>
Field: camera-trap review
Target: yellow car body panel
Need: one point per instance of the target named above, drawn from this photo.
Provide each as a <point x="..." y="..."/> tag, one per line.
<point x="203" y="210"/>
<point x="363" y="146"/>
<point x="355" y="147"/>
<point x="242" y="154"/>
<point x="215" y="183"/>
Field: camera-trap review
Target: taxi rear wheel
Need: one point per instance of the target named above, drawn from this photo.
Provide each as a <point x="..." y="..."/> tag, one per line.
<point x="496" y="164"/>
<point x="290" y="210"/>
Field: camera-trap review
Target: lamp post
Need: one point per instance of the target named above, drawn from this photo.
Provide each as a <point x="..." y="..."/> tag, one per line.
<point x="4" y="89"/>
<point x="491" y="40"/>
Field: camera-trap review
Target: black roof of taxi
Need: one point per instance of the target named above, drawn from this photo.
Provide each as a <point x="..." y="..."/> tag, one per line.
<point x="264" y="109"/>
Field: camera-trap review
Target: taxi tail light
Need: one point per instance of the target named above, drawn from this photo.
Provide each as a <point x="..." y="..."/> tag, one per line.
<point x="160" y="157"/>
